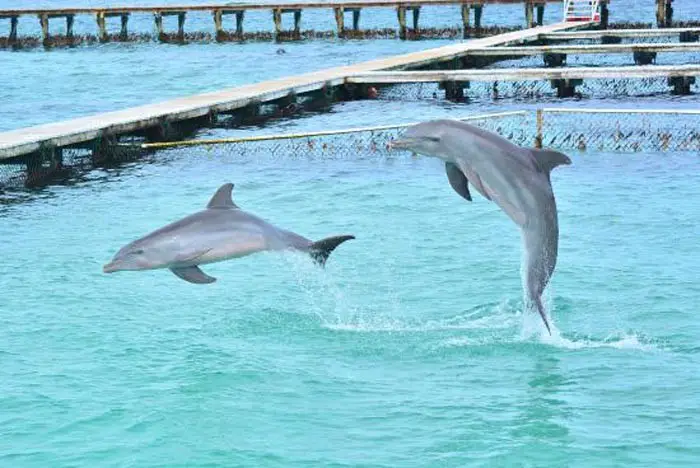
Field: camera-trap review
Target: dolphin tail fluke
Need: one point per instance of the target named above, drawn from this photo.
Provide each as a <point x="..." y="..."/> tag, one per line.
<point x="320" y="250"/>
<point x="540" y="309"/>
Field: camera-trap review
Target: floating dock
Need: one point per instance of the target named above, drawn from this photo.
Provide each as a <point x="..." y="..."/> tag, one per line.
<point x="533" y="15"/>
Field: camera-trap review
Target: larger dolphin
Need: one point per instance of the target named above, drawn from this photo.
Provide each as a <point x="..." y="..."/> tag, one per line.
<point x="517" y="179"/>
<point x="220" y="232"/>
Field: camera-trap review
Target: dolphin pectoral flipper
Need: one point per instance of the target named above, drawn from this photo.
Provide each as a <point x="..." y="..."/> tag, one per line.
<point x="193" y="274"/>
<point x="458" y="180"/>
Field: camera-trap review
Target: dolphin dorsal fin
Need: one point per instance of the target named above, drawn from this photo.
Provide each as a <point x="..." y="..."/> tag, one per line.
<point x="222" y="198"/>
<point x="549" y="159"/>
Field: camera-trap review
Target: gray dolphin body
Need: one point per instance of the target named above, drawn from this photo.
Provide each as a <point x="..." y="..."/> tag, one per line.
<point x="220" y="232"/>
<point x="517" y="179"/>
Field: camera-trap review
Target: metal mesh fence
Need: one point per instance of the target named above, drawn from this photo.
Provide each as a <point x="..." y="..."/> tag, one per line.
<point x="601" y="88"/>
<point x="564" y="129"/>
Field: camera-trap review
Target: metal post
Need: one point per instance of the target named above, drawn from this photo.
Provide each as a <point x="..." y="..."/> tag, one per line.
<point x="356" y="19"/>
<point x="540" y="126"/>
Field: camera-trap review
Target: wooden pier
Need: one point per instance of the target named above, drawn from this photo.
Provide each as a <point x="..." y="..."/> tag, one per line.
<point x="689" y="34"/>
<point x="555" y="55"/>
<point x="565" y="80"/>
<point x="161" y="120"/>
<point x="533" y="14"/>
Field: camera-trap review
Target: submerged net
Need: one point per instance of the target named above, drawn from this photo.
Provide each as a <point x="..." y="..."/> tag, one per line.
<point x="563" y="129"/>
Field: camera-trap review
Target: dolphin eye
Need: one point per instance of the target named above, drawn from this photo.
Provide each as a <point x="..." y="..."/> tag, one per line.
<point x="137" y="252"/>
<point x="433" y="139"/>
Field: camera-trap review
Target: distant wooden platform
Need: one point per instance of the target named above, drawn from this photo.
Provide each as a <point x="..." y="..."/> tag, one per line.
<point x="523" y="74"/>
<point x="60" y="134"/>
<point x="218" y="11"/>
<point x="348" y="5"/>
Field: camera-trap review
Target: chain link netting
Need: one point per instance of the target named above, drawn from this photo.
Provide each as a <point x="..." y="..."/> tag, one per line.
<point x="600" y="88"/>
<point x="566" y="130"/>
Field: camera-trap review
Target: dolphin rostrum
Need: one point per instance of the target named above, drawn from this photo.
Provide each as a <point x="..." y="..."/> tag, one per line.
<point x="517" y="179"/>
<point x="220" y="232"/>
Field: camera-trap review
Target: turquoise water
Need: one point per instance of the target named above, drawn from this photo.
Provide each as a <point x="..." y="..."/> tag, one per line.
<point x="410" y="349"/>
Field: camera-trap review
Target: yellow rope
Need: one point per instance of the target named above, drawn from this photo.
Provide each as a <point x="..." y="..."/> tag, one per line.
<point x="289" y="136"/>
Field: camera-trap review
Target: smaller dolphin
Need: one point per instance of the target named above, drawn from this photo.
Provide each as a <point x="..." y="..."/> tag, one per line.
<point x="220" y="232"/>
<point x="516" y="179"/>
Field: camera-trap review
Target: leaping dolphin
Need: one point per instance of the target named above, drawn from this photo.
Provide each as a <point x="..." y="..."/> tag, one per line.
<point x="220" y="232"/>
<point x="517" y="179"/>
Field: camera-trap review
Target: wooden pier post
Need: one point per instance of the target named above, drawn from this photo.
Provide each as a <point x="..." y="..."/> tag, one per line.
<point x="297" y="23"/>
<point x="529" y="13"/>
<point x="42" y="165"/>
<point x="13" y="29"/>
<point x="218" y="28"/>
<point x="356" y="18"/>
<point x="681" y="84"/>
<point x="124" y="32"/>
<point x="158" y="19"/>
<point x="604" y="14"/>
<point x="540" y="13"/>
<point x="69" y="26"/>
<point x="644" y="58"/>
<point x="566" y="87"/>
<point x="416" y="15"/>
<point x="240" y="15"/>
<point x="478" y="10"/>
<point x="401" y="14"/>
<point x="181" y="26"/>
<point x="340" y="20"/>
<point x="465" y="21"/>
<point x="277" y="18"/>
<point x="664" y="13"/>
<point x="540" y="126"/>
<point x="44" y="21"/>
<point x="101" y="26"/>
<point x="554" y="60"/>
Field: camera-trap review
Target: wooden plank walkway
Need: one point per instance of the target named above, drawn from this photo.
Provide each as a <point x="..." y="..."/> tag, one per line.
<point x="587" y="49"/>
<point x="27" y="140"/>
<point x="523" y="74"/>
<point x="348" y="5"/>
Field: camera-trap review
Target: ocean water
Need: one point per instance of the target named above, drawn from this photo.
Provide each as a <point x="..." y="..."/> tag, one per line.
<point x="410" y="349"/>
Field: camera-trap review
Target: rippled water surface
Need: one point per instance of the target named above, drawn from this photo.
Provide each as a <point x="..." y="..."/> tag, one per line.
<point x="409" y="349"/>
